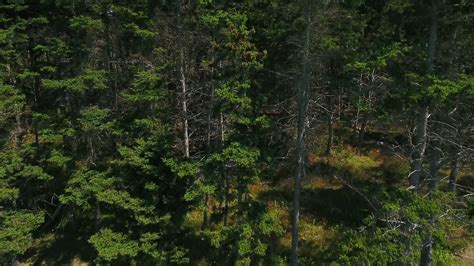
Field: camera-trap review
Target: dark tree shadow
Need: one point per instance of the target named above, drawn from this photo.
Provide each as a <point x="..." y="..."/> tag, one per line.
<point x="340" y="205"/>
<point x="62" y="251"/>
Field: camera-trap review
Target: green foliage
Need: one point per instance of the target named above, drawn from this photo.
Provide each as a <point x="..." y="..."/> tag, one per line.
<point x="147" y="86"/>
<point x="89" y="80"/>
<point x="140" y="33"/>
<point x="231" y="94"/>
<point x="8" y="193"/>
<point x="87" y="23"/>
<point x="112" y="245"/>
<point x="14" y="166"/>
<point x="183" y="169"/>
<point x="433" y="90"/>
<point x="357" y="165"/>
<point x="379" y="60"/>
<point x="91" y="132"/>
<point x="58" y="159"/>
<point x="238" y="155"/>
<point x="16" y="231"/>
<point x="396" y="233"/>
<point x="12" y="103"/>
<point x="249" y="239"/>
<point x="137" y="157"/>
<point x="94" y="119"/>
<point x="84" y="188"/>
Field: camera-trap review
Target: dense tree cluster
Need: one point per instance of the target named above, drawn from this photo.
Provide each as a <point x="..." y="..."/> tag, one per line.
<point x="141" y="131"/>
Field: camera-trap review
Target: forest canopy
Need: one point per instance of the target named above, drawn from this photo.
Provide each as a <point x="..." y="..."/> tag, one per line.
<point x="215" y="132"/>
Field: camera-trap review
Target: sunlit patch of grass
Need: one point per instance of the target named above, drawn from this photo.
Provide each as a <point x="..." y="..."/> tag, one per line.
<point x="194" y="219"/>
<point x="44" y="240"/>
<point x="318" y="182"/>
<point x="78" y="262"/>
<point x="258" y="187"/>
<point x="316" y="238"/>
<point x="314" y="159"/>
<point x="328" y="206"/>
<point x="466" y="169"/>
<point x="466" y="257"/>
<point x="466" y="175"/>
<point x="357" y="165"/>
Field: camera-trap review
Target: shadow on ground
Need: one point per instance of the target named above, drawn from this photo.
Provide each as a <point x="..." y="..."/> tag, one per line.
<point x="63" y="250"/>
<point x="339" y="205"/>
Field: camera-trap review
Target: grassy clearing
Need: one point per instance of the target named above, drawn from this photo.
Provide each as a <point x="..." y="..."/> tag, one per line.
<point x="329" y="207"/>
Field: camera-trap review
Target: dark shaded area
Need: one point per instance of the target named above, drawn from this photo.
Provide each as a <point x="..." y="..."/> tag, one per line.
<point x="62" y="251"/>
<point x="335" y="206"/>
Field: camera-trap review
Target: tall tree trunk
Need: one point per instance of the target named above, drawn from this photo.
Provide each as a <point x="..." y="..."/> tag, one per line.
<point x="226" y="200"/>
<point x="182" y="78"/>
<point x="330" y="121"/>
<point x="98" y="215"/>
<point x="18" y="131"/>
<point x="427" y="248"/>
<point x="222" y="128"/>
<point x="435" y="165"/>
<point x="453" y="174"/>
<point x="302" y="104"/>
<point x="205" y="220"/>
<point x="419" y="146"/>
<point x="15" y="261"/>
<point x="209" y="120"/>
<point x="427" y="245"/>
<point x="427" y="251"/>
<point x="330" y="135"/>
<point x="362" y="130"/>
<point x="423" y="114"/>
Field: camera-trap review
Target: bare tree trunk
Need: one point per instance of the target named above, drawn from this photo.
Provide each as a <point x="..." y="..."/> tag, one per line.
<point x="222" y="129"/>
<point x="427" y="248"/>
<point x="419" y="147"/>
<point x="209" y="119"/>
<point x="53" y="216"/>
<point x="453" y="174"/>
<point x="300" y="140"/>
<point x="15" y="261"/>
<point x="18" y="131"/>
<point x="92" y="152"/>
<point x="427" y="251"/>
<point x="98" y="216"/>
<point x="226" y="200"/>
<point x="434" y="169"/>
<point x="363" y="127"/>
<point x="227" y="185"/>
<point x="427" y="245"/>
<point x="182" y="78"/>
<point x="330" y="121"/>
<point x="423" y="114"/>
<point x="205" y="222"/>
<point x="330" y="135"/>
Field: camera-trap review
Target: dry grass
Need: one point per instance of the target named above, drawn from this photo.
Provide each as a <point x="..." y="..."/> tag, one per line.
<point x="465" y="258"/>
